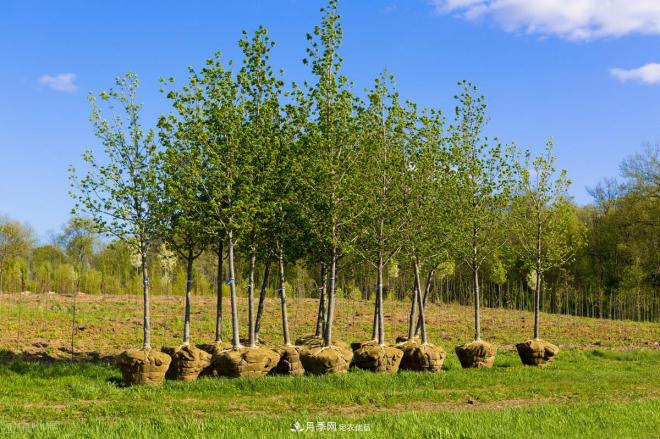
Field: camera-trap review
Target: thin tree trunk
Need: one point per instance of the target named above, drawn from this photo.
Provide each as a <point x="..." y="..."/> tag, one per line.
<point x="236" y="342"/>
<point x="320" y="316"/>
<point x="376" y="326"/>
<point x="189" y="281"/>
<point x="285" y="320"/>
<point x="475" y="286"/>
<point x="420" y="301"/>
<point x="327" y="336"/>
<point x="220" y="276"/>
<point x="145" y="290"/>
<point x="427" y="288"/>
<point x="412" y="318"/>
<point x="262" y="299"/>
<point x="253" y="262"/>
<point x="537" y="297"/>
<point x="379" y="299"/>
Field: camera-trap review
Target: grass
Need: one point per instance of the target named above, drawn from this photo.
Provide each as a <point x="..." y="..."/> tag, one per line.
<point x="605" y="382"/>
<point x="583" y="394"/>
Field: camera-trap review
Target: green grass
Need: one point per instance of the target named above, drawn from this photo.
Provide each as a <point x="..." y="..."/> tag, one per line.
<point x="595" y="393"/>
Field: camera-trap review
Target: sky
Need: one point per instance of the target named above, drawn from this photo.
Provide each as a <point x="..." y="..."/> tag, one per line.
<point x="584" y="72"/>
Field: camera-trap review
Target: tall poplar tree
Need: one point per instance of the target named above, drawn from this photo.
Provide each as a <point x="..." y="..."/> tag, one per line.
<point x="333" y="168"/>
<point x="541" y="218"/>
<point x="383" y="125"/>
<point x="183" y="203"/>
<point x="485" y="176"/>
<point x="210" y="103"/>
<point x="260" y="92"/>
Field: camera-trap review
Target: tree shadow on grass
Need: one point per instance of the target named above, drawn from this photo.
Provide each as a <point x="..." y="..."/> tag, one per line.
<point x="63" y="356"/>
<point x="44" y="365"/>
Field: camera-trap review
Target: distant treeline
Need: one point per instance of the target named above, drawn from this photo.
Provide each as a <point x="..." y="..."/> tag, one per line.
<point x="616" y="274"/>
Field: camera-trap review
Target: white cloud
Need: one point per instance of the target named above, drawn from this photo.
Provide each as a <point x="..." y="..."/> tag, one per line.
<point x="648" y="74"/>
<point x="62" y="82"/>
<point x="569" y="19"/>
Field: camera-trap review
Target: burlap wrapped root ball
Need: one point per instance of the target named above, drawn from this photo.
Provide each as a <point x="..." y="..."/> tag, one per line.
<point x="424" y="357"/>
<point x="326" y="359"/>
<point x="377" y="358"/>
<point x="316" y="341"/>
<point x="289" y="363"/>
<point x="537" y="352"/>
<point x="213" y="349"/>
<point x="187" y="362"/>
<point x="309" y="339"/>
<point x="245" y="362"/>
<point x="359" y="344"/>
<point x="404" y="339"/>
<point x="143" y="366"/>
<point x="479" y="354"/>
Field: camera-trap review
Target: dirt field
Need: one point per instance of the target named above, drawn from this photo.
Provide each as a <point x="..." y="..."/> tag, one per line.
<point x="44" y="326"/>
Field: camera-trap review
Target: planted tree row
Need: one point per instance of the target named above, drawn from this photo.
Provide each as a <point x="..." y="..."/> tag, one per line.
<point x="246" y="166"/>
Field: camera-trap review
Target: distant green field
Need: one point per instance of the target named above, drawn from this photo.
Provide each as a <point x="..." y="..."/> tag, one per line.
<point x="594" y="393"/>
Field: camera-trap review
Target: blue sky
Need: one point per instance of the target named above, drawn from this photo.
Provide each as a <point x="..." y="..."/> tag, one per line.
<point x="570" y="69"/>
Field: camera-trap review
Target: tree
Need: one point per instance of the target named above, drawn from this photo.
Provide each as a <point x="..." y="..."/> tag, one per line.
<point x="182" y="208"/>
<point x="431" y="205"/>
<point x="78" y="239"/>
<point x="120" y="192"/>
<point x="485" y="176"/>
<point x="382" y="193"/>
<point x="260" y="91"/>
<point x="212" y="105"/>
<point x="16" y="240"/>
<point x="540" y="216"/>
<point x="332" y="172"/>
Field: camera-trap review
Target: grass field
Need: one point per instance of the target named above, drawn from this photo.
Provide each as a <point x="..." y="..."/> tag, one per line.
<point x="605" y="382"/>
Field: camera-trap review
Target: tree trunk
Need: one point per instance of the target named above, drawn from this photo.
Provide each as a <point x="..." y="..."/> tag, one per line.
<point x="145" y="290"/>
<point x="189" y="281"/>
<point x="475" y="286"/>
<point x="320" y="316"/>
<point x="412" y="318"/>
<point x="427" y="288"/>
<point x="262" y="299"/>
<point x="327" y="336"/>
<point x="236" y="342"/>
<point x="420" y="301"/>
<point x="285" y="319"/>
<point x="253" y="263"/>
<point x="537" y="293"/>
<point x="220" y="277"/>
<point x="376" y="326"/>
<point x="379" y="299"/>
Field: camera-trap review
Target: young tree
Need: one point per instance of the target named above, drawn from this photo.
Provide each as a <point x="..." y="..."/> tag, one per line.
<point x="182" y="208"/>
<point x="120" y="193"/>
<point x="383" y="124"/>
<point x="484" y="175"/>
<point x="332" y="176"/>
<point x="260" y="91"/>
<point x="211" y="105"/>
<point x="287" y="230"/>
<point x="431" y="206"/>
<point x="541" y="217"/>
